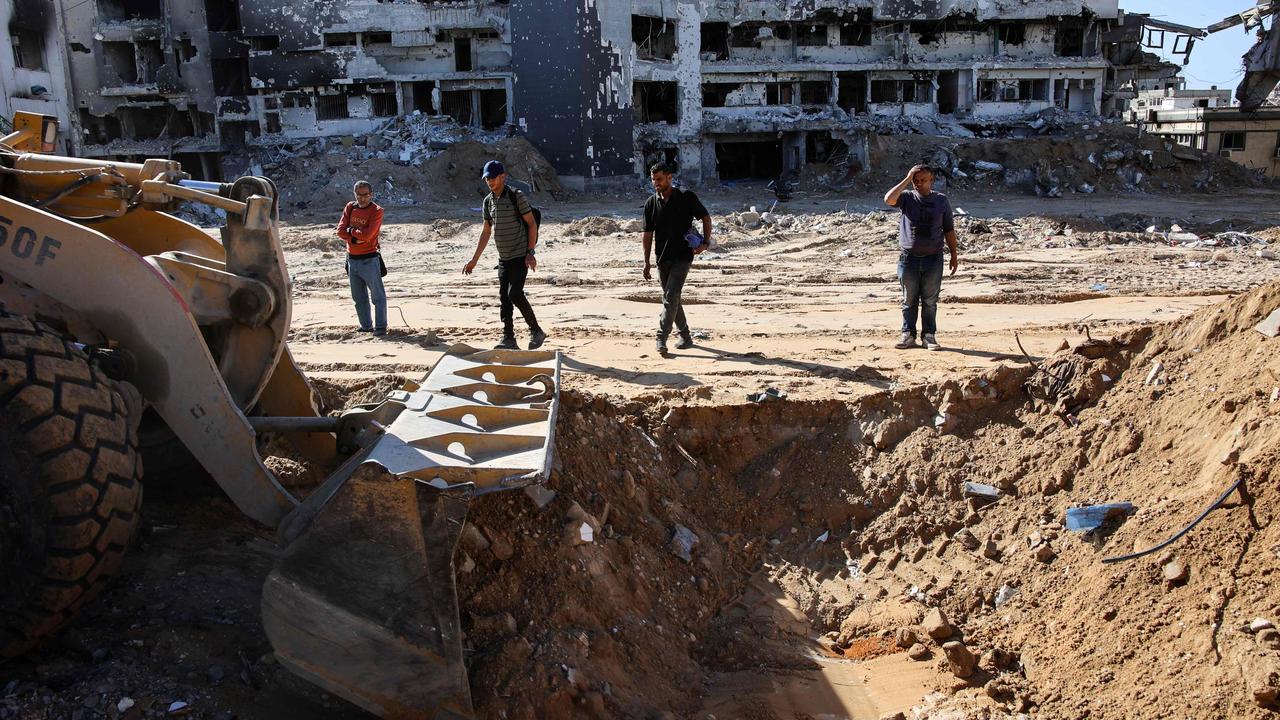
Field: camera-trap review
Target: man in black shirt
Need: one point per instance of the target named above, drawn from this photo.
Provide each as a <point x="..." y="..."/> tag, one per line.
<point x="669" y="214"/>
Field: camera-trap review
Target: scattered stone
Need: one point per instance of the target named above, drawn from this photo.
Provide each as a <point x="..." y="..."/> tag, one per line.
<point x="1176" y="572"/>
<point x="1005" y="594"/>
<point x="178" y="708"/>
<point x="981" y="491"/>
<point x="682" y="542"/>
<point x="1259" y="624"/>
<point x="962" y="661"/>
<point x="1049" y="485"/>
<point x="918" y="652"/>
<point x="578" y="532"/>
<point x="1231" y="457"/>
<point x="500" y="546"/>
<point x="1265" y="686"/>
<point x="467" y="564"/>
<point x="936" y="626"/>
<point x="1045" y="553"/>
<point x="893" y="716"/>
<point x="990" y="550"/>
<point x="966" y="539"/>
<point x="540" y="495"/>
<point x="1157" y="367"/>
<point x="906" y="637"/>
<point x="472" y="540"/>
<point x="125" y="703"/>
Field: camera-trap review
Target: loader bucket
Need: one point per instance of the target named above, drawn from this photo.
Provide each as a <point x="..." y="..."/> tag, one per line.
<point x="362" y="602"/>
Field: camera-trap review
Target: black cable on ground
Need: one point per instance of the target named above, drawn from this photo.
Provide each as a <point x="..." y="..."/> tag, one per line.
<point x="1183" y="531"/>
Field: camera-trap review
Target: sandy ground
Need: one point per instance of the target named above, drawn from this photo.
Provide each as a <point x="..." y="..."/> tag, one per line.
<point x="810" y="309"/>
<point x="807" y="306"/>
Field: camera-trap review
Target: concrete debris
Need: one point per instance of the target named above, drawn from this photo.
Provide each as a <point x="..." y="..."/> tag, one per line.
<point x="1005" y="594"/>
<point x="1153" y="374"/>
<point x="982" y="491"/>
<point x="966" y="539"/>
<point x="682" y="542"/>
<point x="540" y="495"/>
<point x="1270" y="326"/>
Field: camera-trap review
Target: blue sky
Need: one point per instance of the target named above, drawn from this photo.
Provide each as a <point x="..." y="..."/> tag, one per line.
<point x="1215" y="59"/>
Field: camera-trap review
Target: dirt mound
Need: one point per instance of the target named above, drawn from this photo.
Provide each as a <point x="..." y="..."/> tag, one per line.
<point x="685" y="544"/>
<point x="600" y="226"/>
<point x="856" y="519"/>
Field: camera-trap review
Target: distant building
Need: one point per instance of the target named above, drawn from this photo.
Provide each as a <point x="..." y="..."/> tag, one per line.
<point x="1205" y="120"/>
<point x="725" y="88"/>
<point x="33" y="73"/>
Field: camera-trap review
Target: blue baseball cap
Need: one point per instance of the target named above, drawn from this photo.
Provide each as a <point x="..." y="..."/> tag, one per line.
<point x="492" y="169"/>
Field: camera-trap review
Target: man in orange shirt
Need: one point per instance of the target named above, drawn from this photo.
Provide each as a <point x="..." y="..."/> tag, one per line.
<point x="360" y="225"/>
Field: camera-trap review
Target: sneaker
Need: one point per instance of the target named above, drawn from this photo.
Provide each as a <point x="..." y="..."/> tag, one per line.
<point x="906" y="341"/>
<point x="368" y="330"/>
<point x="931" y="342"/>
<point x="684" y="343"/>
<point x="380" y="331"/>
<point x="536" y="339"/>
<point x="662" y="347"/>
<point x="508" y="343"/>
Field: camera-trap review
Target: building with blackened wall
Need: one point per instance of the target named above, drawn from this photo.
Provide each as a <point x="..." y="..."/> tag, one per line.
<point x="200" y="79"/>
<point x="724" y="88"/>
<point x="33" y="73"/>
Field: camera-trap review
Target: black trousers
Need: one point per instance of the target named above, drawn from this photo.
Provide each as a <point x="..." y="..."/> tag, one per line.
<point x="511" y="277"/>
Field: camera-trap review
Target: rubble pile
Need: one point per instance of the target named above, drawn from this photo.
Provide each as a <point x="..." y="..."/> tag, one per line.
<point x="413" y="158"/>
<point x="1059" y="154"/>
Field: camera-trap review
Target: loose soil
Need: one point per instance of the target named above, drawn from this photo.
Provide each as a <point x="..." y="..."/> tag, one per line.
<point x="760" y="560"/>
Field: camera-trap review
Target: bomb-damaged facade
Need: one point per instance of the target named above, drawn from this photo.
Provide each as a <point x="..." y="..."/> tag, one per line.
<point x="726" y="89"/>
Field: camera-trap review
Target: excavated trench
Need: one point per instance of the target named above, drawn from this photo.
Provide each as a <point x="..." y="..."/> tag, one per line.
<point x="781" y="559"/>
<point x="739" y="561"/>
<point x="785" y="559"/>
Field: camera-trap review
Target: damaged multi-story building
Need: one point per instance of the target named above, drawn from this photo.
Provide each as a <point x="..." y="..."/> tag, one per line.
<point x="725" y="88"/>
<point x="33" y="73"/>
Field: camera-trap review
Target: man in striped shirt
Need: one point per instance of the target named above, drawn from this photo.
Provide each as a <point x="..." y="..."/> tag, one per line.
<point x="509" y="218"/>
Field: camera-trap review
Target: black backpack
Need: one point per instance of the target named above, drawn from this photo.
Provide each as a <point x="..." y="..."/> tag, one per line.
<point x="537" y="214"/>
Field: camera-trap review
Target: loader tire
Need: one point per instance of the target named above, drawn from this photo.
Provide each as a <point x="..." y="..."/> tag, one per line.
<point x="70" y="486"/>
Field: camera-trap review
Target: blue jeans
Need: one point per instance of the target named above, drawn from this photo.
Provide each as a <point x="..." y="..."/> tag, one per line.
<point x="365" y="274"/>
<point x="921" y="278"/>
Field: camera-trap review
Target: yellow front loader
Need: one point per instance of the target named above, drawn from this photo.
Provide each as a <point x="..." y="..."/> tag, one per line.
<point x="112" y="310"/>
